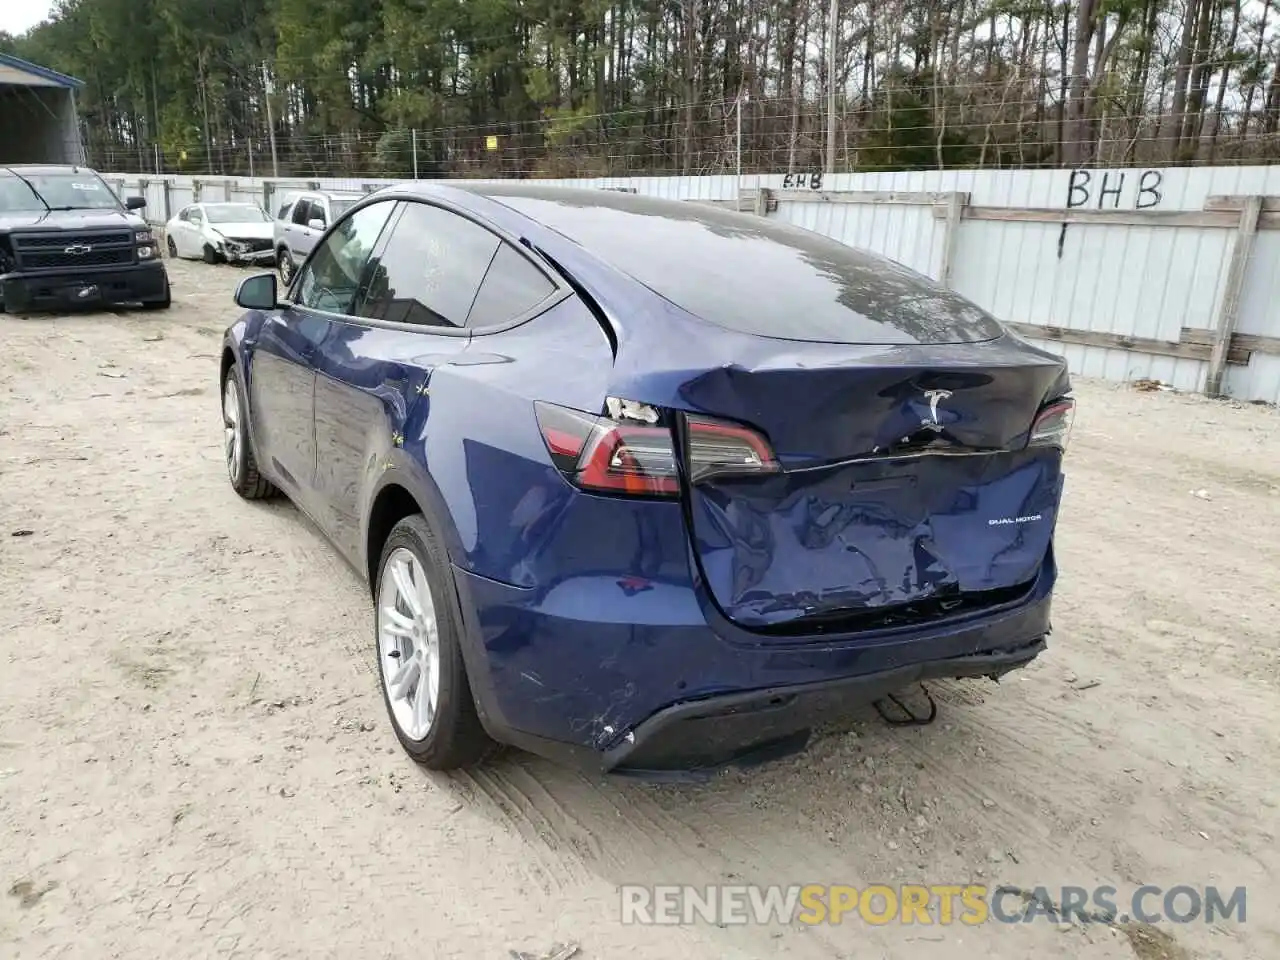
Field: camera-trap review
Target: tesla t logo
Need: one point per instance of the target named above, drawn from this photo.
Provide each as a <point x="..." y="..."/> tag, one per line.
<point x="77" y="248"/>
<point x="933" y="396"/>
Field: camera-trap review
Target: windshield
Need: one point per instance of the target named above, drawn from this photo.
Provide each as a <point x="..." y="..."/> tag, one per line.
<point x="235" y="213"/>
<point x="61" y="191"/>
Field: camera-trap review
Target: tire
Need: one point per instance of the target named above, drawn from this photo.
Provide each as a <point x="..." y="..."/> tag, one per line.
<point x="454" y="737"/>
<point x="210" y="254"/>
<point x="171" y="247"/>
<point x="242" y="469"/>
<point x="284" y="263"/>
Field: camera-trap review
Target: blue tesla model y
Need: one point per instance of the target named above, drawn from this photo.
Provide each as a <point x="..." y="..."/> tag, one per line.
<point x="647" y="485"/>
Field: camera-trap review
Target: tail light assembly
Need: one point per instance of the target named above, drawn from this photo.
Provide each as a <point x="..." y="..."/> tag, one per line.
<point x="1052" y="425"/>
<point x="635" y="455"/>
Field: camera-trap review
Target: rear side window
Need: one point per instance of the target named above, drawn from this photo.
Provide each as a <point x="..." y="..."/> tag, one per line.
<point x="512" y="286"/>
<point x="431" y="269"/>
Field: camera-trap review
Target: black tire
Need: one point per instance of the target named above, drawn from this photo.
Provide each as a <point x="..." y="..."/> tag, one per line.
<point x="171" y="247"/>
<point x="210" y="254"/>
<point x="456" y="737"/>
<point x="164" y="304"/>
<point x="242" y="468"/>
<point x="284" y="263"/>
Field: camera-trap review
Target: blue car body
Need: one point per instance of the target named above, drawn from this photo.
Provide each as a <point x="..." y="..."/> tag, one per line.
<point x="903" y="530"/>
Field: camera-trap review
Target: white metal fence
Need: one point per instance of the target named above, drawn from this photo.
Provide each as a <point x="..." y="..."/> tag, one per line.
<point x="1166" y="274"/>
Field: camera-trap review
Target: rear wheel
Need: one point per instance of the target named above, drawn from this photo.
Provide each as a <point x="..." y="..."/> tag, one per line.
<point x="419" y="636"/>
<point x="284" y="260"/>
<point x="242" y="469"/>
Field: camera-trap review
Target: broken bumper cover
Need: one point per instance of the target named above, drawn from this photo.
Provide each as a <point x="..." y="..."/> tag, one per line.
<point x="247" y="252"/>
<point x="66" y="289"/>
<point x="675" y="698"/>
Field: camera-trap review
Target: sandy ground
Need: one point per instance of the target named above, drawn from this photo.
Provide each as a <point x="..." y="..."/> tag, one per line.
<point x="194" y="760"/>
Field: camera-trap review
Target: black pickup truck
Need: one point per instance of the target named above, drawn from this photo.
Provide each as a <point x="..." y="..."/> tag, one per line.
<point x="66" y="240"/>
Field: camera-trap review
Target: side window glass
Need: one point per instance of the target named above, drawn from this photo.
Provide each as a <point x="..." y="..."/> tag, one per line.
<point x="196" y="216"/>
<point x="331" y="278"/>
<point x="185" y="214"/>
<point x="284" y="210"/>
<point x="430" y="270"/>
<point x="512" y="286"/>
<point x="301" y="211"/>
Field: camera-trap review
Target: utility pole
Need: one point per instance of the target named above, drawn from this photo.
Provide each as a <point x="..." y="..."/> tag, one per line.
<point x="832" y="27"/>
<point x="271" y="124"/>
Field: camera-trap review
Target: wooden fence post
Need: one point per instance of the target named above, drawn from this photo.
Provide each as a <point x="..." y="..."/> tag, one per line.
<point x="955" y="214"/>
<point x="1229" y="308"/>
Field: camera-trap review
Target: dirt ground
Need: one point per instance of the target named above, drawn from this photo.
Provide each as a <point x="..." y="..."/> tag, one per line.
<point x="194" y="759"/>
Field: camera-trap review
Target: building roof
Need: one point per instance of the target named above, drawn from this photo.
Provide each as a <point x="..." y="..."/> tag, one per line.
<point x="16" y="72"/>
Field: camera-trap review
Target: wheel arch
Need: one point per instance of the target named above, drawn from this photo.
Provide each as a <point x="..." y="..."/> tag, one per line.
<point x="403" y="489"/>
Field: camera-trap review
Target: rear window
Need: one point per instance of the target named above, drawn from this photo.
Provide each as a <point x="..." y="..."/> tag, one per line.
<point x="758" y="277"/>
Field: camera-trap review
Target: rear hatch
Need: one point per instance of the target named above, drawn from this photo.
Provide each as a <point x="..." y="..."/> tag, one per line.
<point x="902" y="488"/>
<point x="855" y="445"/>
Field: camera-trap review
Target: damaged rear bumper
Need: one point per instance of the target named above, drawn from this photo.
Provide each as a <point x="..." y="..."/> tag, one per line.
<point x="685" y="693"/>
<point x="747" y="728"/>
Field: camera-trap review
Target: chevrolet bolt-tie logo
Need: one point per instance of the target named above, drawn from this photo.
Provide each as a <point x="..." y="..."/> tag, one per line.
<point x="76" y="249"/>
<point x="933" y="396"/>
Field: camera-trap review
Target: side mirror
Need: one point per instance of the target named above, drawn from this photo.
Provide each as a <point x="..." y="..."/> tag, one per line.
<point x="135" y="203"/>
<point x="257" y="292"/>
<point x="316" y="224"/>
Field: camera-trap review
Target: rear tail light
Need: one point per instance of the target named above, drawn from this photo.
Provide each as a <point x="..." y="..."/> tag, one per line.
<point x="717" y="448"/>
<point x="638" y="459"/>
<point x="1052" y="426"/>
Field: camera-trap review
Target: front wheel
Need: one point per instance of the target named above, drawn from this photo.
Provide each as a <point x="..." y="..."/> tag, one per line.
<point x="242" y="469"/>
<point x="172" y="248"/>
<point x="419" y="636"/>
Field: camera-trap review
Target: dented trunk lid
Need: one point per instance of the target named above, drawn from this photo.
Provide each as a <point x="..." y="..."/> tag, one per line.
<point x="907" y="491"/>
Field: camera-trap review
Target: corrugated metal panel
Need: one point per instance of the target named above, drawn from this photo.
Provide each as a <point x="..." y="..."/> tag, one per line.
<point x="1134" y="280"/>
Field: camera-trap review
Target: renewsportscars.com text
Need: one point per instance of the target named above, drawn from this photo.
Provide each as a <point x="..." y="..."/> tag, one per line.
<point x="932" y="904"/>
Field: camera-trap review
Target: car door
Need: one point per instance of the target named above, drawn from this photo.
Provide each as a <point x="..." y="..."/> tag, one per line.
<point x="193" y="233"/>
<point x="177" y="228"/>
<point x="284" y="386"/>
<point x="304" y="236"/>
<point x="371" y="369"/>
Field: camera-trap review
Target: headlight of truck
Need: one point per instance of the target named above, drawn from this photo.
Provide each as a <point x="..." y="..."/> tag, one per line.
<point x="146" y="252"/>
<point x="143" y="236"/>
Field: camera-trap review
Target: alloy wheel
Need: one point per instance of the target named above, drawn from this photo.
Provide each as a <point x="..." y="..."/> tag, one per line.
<point x="409" y="644"/>
<point x="231" y="433"/>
